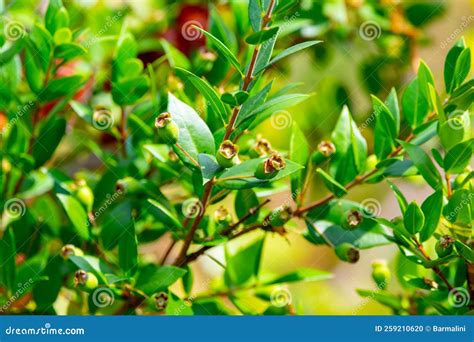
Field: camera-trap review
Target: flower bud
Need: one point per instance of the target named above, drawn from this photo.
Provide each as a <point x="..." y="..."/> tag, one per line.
<point x="70" y="250"/>
<point x="444" y="246"/>
<point x="381" y="274"/>
<point x="261" y="148"/>
<point x="85" y="280"/>
<point x="161" y="300"/>
<point x="168" y="130"/>
<point x="85" y="195"/>
<point x="227" y="155"/>
<point x="280" y="216"/>
<point x="354" y="219"/>
<point x="347" y="252"/>
<point x="222" y="216"/>
<point x="270" y="167"/>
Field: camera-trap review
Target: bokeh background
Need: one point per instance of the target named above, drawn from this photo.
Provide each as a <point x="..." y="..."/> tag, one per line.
<point x="345" y="69"/>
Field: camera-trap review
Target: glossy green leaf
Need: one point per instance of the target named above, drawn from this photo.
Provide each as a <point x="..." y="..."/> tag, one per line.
<point x="385" y="129"/>
<point x="413" y="218"/>
<point x="246" y="200"/>
<point x="127" y="243"/>
<point x="48" y="139"/>
<point x="166" y="216"/>
<point x="336" y="188"/>
<point x="432" y="208"/>
<point x="76" y="213"/>
<point x="244" y="264"/>
<point x="261" y="36"/>
<point x="459" y="157"/>
<point x="130" y="90"/>
<point x="152" y="279"/>
<point x="8" y="257"/>
<point x="450" y="64"/>
<point x="299" y="153"/>
<point x="301" y="274"/>
<point x="415" y="104"/>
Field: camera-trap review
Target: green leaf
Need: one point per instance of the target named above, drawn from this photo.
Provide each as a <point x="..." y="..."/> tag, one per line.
<point x="336" y="188"/>
<point x="209" y="166"/>
<point x="299" y="153"/>
<point x="76" y="213"/>
<point x="465" y="251"/>
<point x="223" y="50"/>
<point x="383" y="297"/>
<point x="301" y="274"/>
<point x="152" y="279"/>
<point x="432" y="208"/>
<point x="255" y="14"/>
<point x="463" y="65"/>
<point x="252" y="104"/>
<point x="351" y="149"/>
<point x="261" y="36"/>
<point x="459" y="157"/>
<point x="206" y="90"/>
<point x="460" y="208"/>
<point x="242" y="176"/>
<point x="130" y="90"/>
<point x="415" y="104"/>
<point x="455" y="129"/>
<point x="92" y="264"/>
<point x="402" y="201"/>
<point x="425" y="78"/>
<point x="244" y="264"/>
<point x="112" y="225"/>
<point x="69" y="51"/>
<point x="424" y="165"/>
<point x="288" y="52"/>
<point x="414" y="219"/>
<point x="450" y="64"/>
<point x="166" y="216"/>
<point x="49" y="137"/>
<point x="8" y="257"/>
<point x="236" y="98"/>
<point x="175" y="57"/>
<point x="385" y="129"/>
<point x="127" y="244"/>
<point x="245" y="201"/>
<point x="194" y="135"/>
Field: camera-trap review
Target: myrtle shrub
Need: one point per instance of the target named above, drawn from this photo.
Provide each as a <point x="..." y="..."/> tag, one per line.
<point x="161" y="136"/>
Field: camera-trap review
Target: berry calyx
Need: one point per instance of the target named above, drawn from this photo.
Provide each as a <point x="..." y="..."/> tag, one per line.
<point x="347" y="252"/>
<point x="70" y="250"/>
<point x="85" y="280"/>
<point x="270" y="167"/>
<point x="280" y="216"/>
<point x="168" y="130"/>
<point x="227" y="155"/>
<point x="444" y="246"/>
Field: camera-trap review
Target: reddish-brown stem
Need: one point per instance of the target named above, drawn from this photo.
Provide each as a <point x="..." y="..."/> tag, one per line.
<point x="168" y="251"/>
<point x="251" y="212"/>
<point x="123" y="133"/>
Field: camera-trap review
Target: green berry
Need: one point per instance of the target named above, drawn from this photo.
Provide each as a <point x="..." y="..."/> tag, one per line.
<point x="161" y="300"/>
<point x="381" y="274"/>
<point x="261" y="148"/>
<point x="168" y="130"/>
<point x="222" y="216"/>
<point x="85" y="195"/>
<point x="354" y="219"/>
<point x="70" y="250"/>
<point x="325" y="150"/>
<point x="347" y="252"/>
<point x="280" y="216"/>
<point x="227" y="155"/>
<point x="270" y="167"/>
<point x="129" y="186"/>
<point x="85" y="280"/>
<point x="444" y="246"/>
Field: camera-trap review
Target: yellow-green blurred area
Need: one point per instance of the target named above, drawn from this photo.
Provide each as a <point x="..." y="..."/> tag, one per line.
<point x="344" y="69"/>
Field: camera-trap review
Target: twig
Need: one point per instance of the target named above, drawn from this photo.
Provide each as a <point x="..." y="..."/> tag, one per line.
<point x="251" y="212"/>
<point x="168" y="251"/>
<point x="123" y="132"/>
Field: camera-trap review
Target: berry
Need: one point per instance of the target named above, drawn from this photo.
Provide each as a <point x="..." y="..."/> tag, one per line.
<point x="85" y="280"/>
<point x="381" y="273"/>
<point x="161" y="300"/>
<point x="270" y="167"/>
<point x="354" y="219"/>
<point x="280" y="216"/>
<point x="347" y="252"/>
<point x="261" y="148"/>
<point x="227" y="155"/>
<point x="70" y="250"/>
<point x="325" y="150"/>
<point x="168" y="130"/>
<point x="85" y="195"/>
<point x="129" y="186"/>
<point x="222" y="216"/>
<point x="444" y="246"/>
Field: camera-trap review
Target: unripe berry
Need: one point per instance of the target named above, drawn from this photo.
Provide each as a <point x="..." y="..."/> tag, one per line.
<point x="270" y="167"/>
<point x="168" y="130"/>
<point x="280" y="216"/>
<point x="129" y="186"/>
<point x="222" y="216"/>
<point x="227" y="155"/>
<point x="347" y="252"/>
<point x="84" y="194"/>
<point x="354" y="219"/>
<point x="261" y="148"/>
<point x="444" y="246"/>
<point x="161" y="300"/>
<point x="85" y="280"/>
<point x="381" y="274"/>
<point x="325" y="150"/>
<point x="70" y="250"/>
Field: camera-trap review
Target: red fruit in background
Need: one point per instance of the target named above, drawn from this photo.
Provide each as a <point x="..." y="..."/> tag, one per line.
<point x="3" y="121"/>
<point x="82" y="95"/>
<point x="188" y="38"/>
